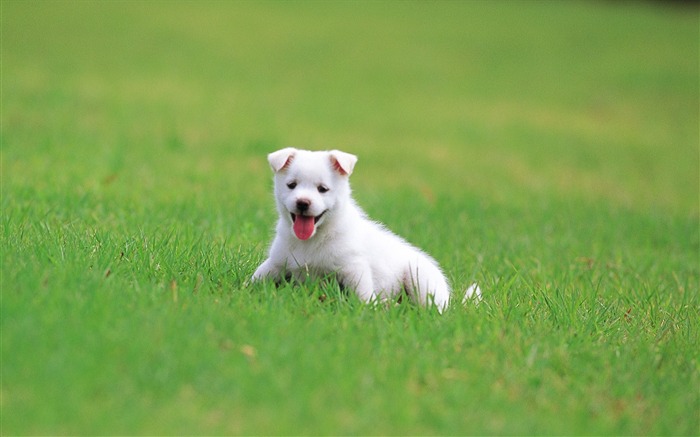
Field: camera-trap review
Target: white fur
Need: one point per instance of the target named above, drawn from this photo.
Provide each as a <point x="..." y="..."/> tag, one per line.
<point x="364" y="255"/>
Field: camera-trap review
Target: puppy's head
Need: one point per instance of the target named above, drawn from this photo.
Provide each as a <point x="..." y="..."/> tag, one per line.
<point x="309" y="186"/>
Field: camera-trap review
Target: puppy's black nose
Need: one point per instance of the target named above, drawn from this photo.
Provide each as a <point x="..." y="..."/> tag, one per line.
<point x="303" y="204"/>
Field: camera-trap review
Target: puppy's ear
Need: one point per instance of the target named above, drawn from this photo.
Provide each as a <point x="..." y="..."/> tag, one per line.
<point x="342" y="162"/>
<point x="281" y="158"/>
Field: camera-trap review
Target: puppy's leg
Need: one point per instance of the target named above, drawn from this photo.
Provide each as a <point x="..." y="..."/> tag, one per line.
<point x="359" y="278"/>
<point x="268" y="269"/>
<point x="426" y="284"/>
<point x="274" y="267"/>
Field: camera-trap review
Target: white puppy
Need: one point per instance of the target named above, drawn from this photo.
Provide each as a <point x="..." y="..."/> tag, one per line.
<point x="322" y="231"/>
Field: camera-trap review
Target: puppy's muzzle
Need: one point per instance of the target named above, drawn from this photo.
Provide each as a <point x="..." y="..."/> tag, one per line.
<point x="303" y="205"/>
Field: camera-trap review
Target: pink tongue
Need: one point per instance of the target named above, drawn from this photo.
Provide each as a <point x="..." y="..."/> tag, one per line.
<point x="303" y="227"/>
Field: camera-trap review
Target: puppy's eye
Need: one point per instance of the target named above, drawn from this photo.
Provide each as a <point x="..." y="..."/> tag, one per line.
<point x="322" y="189"/>
<point x="292" y="185"/>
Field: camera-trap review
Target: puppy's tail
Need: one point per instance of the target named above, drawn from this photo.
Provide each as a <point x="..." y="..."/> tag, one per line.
<point x="472" y="294"/>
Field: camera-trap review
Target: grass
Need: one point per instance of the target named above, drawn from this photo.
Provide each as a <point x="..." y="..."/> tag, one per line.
<point x="547" y="150"/>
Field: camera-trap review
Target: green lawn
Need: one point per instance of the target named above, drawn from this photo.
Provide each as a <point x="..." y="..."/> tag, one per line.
<point x="547" y="150"/>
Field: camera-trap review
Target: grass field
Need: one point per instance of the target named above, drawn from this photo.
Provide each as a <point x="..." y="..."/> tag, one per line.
<point x="547" y="150"/>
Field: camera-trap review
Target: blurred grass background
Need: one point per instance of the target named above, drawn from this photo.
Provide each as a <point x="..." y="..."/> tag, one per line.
<point x="556" y="140"/>
<point x="588" y="100"/>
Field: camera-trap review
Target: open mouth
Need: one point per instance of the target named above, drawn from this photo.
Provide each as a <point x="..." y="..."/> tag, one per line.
<point x="316" y="219"/>
<point x="304" y="226"/>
